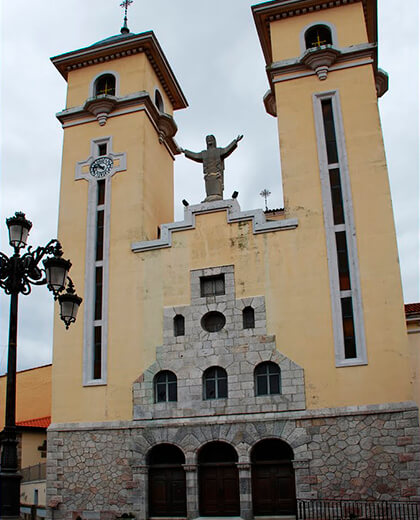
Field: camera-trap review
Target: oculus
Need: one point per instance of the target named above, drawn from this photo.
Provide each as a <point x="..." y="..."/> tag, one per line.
<point x="213" y="321"/>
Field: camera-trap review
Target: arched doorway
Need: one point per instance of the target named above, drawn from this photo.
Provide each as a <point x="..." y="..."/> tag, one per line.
<point x="218" y="480"/>
<point x="273" y="478"/>
<point x="167" y="490"/>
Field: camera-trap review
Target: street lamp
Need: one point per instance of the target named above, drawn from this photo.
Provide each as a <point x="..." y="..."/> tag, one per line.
<point x="17" y="274"/>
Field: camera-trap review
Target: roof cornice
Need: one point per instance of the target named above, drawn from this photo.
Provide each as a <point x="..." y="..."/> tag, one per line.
<point x="275" y="10"/>
<point x="110" y="50"/>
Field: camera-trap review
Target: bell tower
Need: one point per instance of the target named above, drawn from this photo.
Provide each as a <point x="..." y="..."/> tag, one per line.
<point x="324" y="83"/>
<point x="116" y="184"/>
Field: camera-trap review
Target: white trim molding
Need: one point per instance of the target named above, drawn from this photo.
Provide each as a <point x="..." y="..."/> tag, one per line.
<point x="331" y="230"/>
<point x="234" y="214"/>
<point x="82" y="172"/>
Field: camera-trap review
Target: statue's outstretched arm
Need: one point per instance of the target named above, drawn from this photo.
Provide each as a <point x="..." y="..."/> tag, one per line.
<point x="231" y="147"/>
<point x="194" y="156"/>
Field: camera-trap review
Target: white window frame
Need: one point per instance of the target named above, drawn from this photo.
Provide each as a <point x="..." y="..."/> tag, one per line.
<point x="331" y="229"/>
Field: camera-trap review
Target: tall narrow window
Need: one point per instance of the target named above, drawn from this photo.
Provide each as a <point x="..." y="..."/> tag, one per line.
<point x="99" y="280"/>
<point x="340" y="231"/>
<point x="159" y="101"/>
<point x="102" y="149"/>
<point x="179" y="325"/>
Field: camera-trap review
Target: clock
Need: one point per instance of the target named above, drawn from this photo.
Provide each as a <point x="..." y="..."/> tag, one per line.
<point x="101" y="167"/>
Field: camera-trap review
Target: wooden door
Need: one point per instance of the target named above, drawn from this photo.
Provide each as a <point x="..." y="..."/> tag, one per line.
<point x="273" y="488"/>
<point x="167" y="491"/>
<point x="219" y="490"/>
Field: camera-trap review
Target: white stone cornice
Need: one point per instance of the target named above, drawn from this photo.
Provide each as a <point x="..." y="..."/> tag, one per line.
<point x="234" y="214"/>
<point x="347" y="57"/>
<point x="164" y="124"/>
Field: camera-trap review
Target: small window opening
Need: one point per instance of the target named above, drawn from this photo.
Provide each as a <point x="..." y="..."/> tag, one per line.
<point x="317" y="36"/>
<point x="248" y="318"/>
<point x="179" y="325"/>
<point x="212" y="285"/>
<point x="159" y="101"/>
<point x="105" y="85"/>
<point x="102" y="149"/>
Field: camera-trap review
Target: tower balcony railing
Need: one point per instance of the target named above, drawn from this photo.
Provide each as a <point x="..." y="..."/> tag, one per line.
<point x="357" y="510"/>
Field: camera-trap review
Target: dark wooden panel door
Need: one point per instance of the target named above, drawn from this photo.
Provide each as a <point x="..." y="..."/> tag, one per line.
<point x="167" y="492"/>
<point x="219" y="490"/>
<point x="273" y="489"/>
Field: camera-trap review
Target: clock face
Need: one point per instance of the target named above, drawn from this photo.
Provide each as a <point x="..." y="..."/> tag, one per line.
<point x="101" y="167"/>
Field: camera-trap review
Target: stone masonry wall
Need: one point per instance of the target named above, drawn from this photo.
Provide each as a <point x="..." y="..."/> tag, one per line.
<point x="99" y="471"/>
<point x="236" y="349"/>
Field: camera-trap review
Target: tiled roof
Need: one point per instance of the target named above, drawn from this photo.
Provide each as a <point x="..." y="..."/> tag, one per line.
<point x="42" y="422"/>
<point x="412" y="308"/>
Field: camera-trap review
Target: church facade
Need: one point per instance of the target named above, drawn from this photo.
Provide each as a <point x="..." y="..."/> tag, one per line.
<point x="237" y="362"/>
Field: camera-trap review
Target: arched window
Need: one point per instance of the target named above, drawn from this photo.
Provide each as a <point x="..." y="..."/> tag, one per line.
<point x="165" y="387"/>
<point x="159" y="101"/>
<point x="267" y="379"/>
<point x="248" y="318"/>
<point x="215" y="383"/>
<point x="179" y="325"/>
<point x="318" y="35"/>
<point x="105" y="85"/>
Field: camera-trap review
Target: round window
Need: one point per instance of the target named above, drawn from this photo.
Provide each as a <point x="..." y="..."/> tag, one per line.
<point x="213" y="321"/>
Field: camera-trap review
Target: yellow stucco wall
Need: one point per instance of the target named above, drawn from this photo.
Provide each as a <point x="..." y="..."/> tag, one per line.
<point x="349" y="21"/>
<point x="289" y="268"/>
<point x="141" y="200"/>
<point x="33" y="394"/>
<point x="135" y="74"/>
<point x="30" y="453"/>
<point x="294" y="280"/>
<point x="27" y="493"/>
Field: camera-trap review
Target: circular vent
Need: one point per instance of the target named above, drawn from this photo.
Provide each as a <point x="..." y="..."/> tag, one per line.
<point x="213" y="321"/>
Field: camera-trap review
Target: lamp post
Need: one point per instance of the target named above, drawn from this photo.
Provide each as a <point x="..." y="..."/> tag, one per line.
<point x="17" y="274"/>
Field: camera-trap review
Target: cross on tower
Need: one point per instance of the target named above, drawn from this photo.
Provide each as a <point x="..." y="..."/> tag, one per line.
<point x="318" y="41"/>
<point x="125" y="5"/>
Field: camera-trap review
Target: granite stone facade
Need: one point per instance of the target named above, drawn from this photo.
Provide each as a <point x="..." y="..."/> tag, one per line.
<point x="99" y="471"/>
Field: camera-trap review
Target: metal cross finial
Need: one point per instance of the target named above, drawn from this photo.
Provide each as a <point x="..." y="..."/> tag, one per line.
<point x="265" y="193"/>
<point x="125" y="5"/>
<point x="318" y="42"/>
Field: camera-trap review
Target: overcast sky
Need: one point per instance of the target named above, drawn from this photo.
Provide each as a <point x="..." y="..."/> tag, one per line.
<point x="215" y="54"/>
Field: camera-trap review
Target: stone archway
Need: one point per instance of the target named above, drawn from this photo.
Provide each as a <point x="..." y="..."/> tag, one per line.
<point x="167" y="486"/>
<point x="218" y="479"/>
<point x="273" y="478"/>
